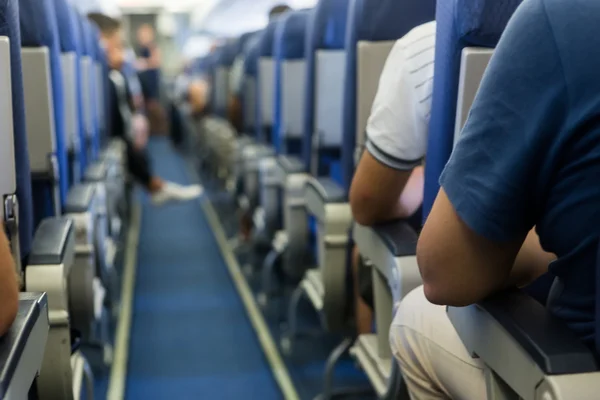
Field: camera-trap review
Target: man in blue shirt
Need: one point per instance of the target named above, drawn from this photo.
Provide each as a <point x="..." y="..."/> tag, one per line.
<point x="529" y="156"/>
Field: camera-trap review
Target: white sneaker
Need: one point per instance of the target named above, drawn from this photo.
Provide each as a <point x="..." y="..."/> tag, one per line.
<point x="174" y="192"/>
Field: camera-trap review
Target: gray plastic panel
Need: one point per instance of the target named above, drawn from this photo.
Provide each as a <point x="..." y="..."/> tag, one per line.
<point x="37" y="86"/>
<point x="96" y="172"/>
<point x="51" y="241"/>
<point x="80" y="198"/>
<point x="221" y="87"/>
<point x="329" y="96"/>
<point x="18" y="362"/>
<point x="249" y="101"/>
<point x="8" y="178"/>
<point x="266" y="70"/>
<point x="293" y="94"/>
<point x="371" y="58"/>
<point x="68" y="63"/>
<point x="473" y="64"/>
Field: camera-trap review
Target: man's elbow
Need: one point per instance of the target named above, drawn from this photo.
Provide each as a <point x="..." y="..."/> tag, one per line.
<point x="442" y="286"/>
<point x="365" y="209"/>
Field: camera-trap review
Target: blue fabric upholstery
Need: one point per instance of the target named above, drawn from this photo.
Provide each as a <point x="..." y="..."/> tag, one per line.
<point x="326" y="30"/>
<point x="251" y="52"/>
<point x="68" y="35"/>
<point x="88" y="49"/>
<point x="38" y="29"/>
<point x="265" y="49"/>
<point x="289" y="44"/>
<point x="229" y="53"/>
<point x="460" y="23"/>
<point x="83" y="161"/>
<point x="9" y="27"/>
<point x="373" y="21"/>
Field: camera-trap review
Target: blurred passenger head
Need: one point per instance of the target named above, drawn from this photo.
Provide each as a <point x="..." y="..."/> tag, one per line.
<point x="145" y="35"/>
<point x="112" y="38"/>
<point x="278" y="10"/>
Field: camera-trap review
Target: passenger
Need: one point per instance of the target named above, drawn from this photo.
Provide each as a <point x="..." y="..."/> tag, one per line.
<point x="147" y="51"/>
<point x="529" y="156"/>
<point x="388" y="183"/>
<point x="237" y="74"/>
<point x="9" y="287"/>
<point x="122" y="119"/>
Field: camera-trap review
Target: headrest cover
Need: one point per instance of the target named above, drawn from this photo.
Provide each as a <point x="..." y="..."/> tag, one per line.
<point x="66" y="27"/>
<point x="460" y="23"/>
<point x="267" y="39"/>
<point x="228" y="53"/>
<point x="329" y="29"/>
<point x="290" y="37"/>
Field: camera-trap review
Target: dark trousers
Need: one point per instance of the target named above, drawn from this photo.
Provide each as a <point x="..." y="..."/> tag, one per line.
<point x="138" y="164"/>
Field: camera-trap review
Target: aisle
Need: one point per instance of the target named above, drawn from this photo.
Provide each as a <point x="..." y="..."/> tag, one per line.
<point x="190" y="335"/>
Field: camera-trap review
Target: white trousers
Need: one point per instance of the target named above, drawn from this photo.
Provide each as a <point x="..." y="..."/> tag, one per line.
<point x="434" y="362"/>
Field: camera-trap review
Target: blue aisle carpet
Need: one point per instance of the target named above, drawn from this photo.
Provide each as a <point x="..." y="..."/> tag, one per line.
<point x="190" y="337"/>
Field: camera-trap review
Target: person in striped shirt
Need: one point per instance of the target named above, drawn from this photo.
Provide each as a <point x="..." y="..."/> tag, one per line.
<point x="388" y="183"/>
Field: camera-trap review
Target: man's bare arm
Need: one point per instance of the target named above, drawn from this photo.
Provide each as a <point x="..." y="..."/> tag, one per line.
<point x="9" y="289"/>
<point x="380" y="193"/>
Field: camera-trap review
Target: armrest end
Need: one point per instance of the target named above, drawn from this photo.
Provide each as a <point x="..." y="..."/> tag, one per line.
<point x="523" y="328"/>
<point x="399" y="237"/>
<point x="80" y="198"/>
<point x="52" y="241"/>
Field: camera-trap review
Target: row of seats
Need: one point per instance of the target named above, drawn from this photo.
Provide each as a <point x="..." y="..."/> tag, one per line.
<point x="63" y="180"/>
<point x="310" y="79"/>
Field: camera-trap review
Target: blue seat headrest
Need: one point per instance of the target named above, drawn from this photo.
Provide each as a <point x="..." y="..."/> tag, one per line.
<point x="9" y="27"/>
<point x="290" y="36"/>
<point x="267" y="39"/>
<point x="229" y="53"/>
<point x="87" y="46"/>
<point x="66" y="27"/>
<point x="290" y="44"/>
<point x="326" y="30"/>
<point x="77" y="41"/>
<point x="251" y="55"/>
<point x="373" y="20"/>
<point x="330" y="23"/>
<point x="460" y="24"/>
<point x="39" y="27"/>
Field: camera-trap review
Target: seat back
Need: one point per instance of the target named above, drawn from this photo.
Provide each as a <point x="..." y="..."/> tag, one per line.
<point x="101" y="86"/>
<point x="373" y="28"/>
<point x="44" y="93"/>
<point x="250" y="103"/>
<point x="87" y="87"/>
<point x="266" y="82"/>
<point x="223" y="68"/>
<point x="325" y="58"/>
<point x="69" y="39"/>
<point x="460" y="24"/>
<point x="290" y="81"/>
<point x="82" y="131"/>
<point x="15" y="181"/>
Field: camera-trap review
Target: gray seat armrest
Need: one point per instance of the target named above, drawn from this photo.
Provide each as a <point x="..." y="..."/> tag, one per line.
<point x="528" y="327"/>
<point x="399" y="237"/>
<point x="329" y="190"/>
<point x="96" y="172"/>
<point x="80" y="198"/>
<point x="51" y="242"/>
<point x="291" y="164"/>
<point x="33" y="307"/>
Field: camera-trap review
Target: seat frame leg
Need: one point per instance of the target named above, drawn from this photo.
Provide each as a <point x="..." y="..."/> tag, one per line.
<point x="328" y="390"/>
<point x="267" y="274"/>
